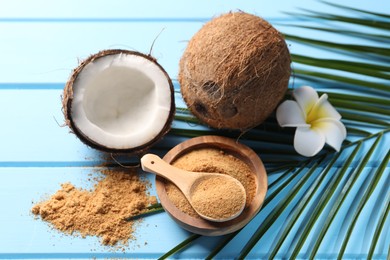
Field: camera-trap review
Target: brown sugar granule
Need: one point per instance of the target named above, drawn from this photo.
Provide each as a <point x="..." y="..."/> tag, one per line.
<point x="100" y="212"/>
<point x="217" y="198"/>
<point x="211" y="160"/>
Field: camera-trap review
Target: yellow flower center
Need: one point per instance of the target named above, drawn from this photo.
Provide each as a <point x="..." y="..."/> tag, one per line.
<point x="311" y="117"/>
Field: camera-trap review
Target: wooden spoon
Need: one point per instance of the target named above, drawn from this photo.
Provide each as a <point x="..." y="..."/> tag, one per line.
<point x="215" y="197"/>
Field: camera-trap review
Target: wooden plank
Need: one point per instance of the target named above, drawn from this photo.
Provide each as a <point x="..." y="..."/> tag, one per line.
<point x="32" y="132"/>
<point x="23" y="235"/>
<point x="48" y="52"/>
<point x="41" y="42"/>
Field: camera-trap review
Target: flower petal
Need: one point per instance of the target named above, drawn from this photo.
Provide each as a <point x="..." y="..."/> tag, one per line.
<point x="333" y="130"/>
<point x="308" y="142"/>
<point x="289" y="114"/>
<point x="306" y="97"/>
<point x="323" y="109"/>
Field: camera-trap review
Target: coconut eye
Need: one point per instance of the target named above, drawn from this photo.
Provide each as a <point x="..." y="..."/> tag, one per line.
<point x="228" y="111"/>
<point x="200" y="108"/>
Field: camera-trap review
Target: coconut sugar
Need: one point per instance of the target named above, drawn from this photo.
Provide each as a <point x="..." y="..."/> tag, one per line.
<point x="100" y="212"/>
<point x="214" y="161"/>
<point x="218" y="198"/>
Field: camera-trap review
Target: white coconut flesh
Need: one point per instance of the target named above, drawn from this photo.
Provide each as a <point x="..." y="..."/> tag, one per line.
<point x="121" y="101"/>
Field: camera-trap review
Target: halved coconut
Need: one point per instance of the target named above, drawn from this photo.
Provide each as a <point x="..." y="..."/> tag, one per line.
<point x="119" y="101"/>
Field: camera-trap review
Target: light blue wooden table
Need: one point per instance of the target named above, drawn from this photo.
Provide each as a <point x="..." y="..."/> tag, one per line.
<point x="40" y="43"/>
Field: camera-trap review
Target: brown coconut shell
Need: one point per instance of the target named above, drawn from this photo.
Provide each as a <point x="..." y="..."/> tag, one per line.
<point x="234" y="71"/>
<point x="68" y="97"/>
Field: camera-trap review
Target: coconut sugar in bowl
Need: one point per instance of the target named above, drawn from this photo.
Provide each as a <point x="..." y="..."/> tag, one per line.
<point x="213" y="154"/>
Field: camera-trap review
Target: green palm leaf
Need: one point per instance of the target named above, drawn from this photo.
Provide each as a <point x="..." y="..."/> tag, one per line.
<point x="379" y="227"/>
<point x="356" y="48"/>
<point x="369" y="36"/>
<point x="370" y="85"/>
<point x="348" y="8"/>
<point x="373" y="70"/>
<point x="315" y="190"/>
<point x="302" y="205"/>
<point x="363" y="201"/>
<point x="377" y="23"/>
<point x="276" y="212"/>
<point x="341" y="197"/>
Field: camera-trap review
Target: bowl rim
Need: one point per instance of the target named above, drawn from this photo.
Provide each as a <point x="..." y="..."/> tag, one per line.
<point x="230" y="146"/>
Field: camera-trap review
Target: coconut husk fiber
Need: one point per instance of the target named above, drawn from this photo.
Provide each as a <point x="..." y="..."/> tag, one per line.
<point x="234" y="71"/>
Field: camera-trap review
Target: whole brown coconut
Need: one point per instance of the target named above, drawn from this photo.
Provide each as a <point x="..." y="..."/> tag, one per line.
<point x="234" y="71"/>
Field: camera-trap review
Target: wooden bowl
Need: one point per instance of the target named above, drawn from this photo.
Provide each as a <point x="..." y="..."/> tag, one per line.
<point x="229" y="146"/>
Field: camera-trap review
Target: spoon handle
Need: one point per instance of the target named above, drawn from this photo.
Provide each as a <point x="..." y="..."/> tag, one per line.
<point x="154" y="164"/>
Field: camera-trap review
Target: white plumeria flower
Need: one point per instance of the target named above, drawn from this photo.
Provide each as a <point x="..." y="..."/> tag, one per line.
<point x="316" y="120"/>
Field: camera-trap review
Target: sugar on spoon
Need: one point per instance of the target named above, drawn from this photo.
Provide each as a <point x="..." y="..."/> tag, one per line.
<point x="215" y="197"/>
